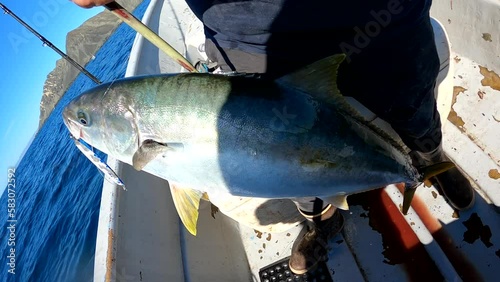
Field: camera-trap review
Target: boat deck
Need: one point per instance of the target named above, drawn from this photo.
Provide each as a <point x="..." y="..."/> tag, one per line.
<point x="140" y="237"/>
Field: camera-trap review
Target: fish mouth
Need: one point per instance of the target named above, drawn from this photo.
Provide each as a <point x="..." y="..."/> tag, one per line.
<point x="75" y="129"/>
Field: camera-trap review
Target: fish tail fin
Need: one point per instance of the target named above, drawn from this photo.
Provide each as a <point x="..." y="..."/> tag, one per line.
<point x="187" y="202"/>
<point x="432" y="170"/>
<point x="408" y="194"/>
<point x="426" y="173"/>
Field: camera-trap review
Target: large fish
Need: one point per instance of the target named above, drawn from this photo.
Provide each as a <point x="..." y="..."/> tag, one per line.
<point x="293" y="137"/>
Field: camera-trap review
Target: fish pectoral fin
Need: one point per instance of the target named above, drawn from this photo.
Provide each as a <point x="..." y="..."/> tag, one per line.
<point x="187" y="202"/>
<point x="339" y="201"/>
<point x="148" y="150"/>
<point x="318" y="78"/>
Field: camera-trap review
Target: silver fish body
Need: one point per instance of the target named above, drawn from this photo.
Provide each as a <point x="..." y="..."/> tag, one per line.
<point x="241" y="136"/>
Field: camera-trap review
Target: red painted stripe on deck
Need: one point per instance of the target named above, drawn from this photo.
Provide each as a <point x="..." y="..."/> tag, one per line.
<point x="462" y="265"/>
<point x="401" y="244"/>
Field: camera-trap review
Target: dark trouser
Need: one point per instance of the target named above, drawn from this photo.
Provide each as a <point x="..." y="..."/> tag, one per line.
<point x="392" y="73"/>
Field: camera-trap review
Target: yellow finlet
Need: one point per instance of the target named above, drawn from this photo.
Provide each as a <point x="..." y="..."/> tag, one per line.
<point x="187" y="202"/>
<point x="339" y="201"/>
<point x="205" y="197"/>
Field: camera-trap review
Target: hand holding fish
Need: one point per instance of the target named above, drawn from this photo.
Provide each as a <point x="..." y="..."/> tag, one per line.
<point x="91" y="3"/>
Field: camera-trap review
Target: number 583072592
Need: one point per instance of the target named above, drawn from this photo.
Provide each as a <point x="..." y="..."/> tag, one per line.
<point x="11" y="174"/>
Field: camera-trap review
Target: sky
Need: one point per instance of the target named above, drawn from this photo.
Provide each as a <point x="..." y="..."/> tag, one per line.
<point x="24" y="66"/>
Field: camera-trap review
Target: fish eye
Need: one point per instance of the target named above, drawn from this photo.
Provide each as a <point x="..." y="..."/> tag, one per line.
<point x="82" y="118"/>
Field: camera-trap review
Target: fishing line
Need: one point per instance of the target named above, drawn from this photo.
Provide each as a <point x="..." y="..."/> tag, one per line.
<point x="124" y="67"/>
<point x="107" y="89"/>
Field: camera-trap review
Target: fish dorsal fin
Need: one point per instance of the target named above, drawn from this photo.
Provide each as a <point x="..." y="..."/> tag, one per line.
<point x="318" y="79"/>
<point x="187" y="202"/>
<point x="148" y="150"/>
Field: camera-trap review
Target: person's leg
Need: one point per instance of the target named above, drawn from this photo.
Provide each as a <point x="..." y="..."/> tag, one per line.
<point x="324" y="222"/>
<point x="393" y="74"/>
<point x="402" y="93"/>
<point x="235" y="60"/>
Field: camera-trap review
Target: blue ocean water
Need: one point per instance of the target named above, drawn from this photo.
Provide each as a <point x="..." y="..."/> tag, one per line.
<point x="58" y="190"/>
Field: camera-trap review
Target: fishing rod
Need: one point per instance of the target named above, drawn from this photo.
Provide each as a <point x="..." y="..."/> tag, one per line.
<point x="48" y="43"/>
<point x="145" y="31"/>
